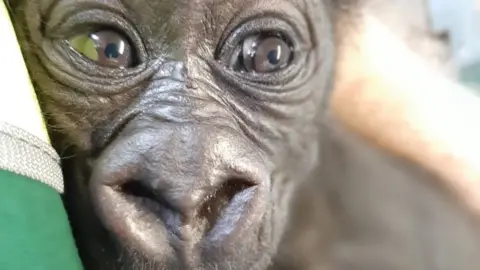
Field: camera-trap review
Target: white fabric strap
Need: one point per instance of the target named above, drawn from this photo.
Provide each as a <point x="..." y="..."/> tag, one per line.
<point x="27" y="155"/>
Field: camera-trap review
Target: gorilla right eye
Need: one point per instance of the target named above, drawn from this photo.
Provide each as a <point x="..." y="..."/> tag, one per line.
<point x="105" y="48"/>
<point x="262" y="53"/>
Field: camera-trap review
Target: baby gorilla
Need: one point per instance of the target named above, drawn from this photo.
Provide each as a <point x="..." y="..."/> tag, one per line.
<point x="190" y="128"/>
<point x="185" y="125"/>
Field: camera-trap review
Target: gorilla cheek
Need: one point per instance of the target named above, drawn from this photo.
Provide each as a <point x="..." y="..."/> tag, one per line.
<point x="190" y="193"/>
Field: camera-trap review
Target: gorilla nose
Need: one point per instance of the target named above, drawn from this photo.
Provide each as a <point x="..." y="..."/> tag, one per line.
<point x="189" y="213"/>
<point x="189" y="187"/>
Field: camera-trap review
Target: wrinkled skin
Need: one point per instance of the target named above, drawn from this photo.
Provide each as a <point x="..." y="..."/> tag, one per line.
<point x="181" y="162"/>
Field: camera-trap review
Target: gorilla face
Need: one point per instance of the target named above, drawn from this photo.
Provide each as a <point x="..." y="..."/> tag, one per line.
<point x="184" y="125"/>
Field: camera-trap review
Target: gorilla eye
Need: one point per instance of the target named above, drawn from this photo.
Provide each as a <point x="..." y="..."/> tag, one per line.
<point x="262" y="54"/>
<point x="105" y="48"/>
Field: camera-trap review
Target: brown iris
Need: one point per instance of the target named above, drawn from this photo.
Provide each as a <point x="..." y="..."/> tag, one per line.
<point x="105" y="48"/>
<point x="262" y="54"/>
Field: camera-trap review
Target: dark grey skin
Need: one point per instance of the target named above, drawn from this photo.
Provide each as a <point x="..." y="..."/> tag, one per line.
<point x="179" y="154"/>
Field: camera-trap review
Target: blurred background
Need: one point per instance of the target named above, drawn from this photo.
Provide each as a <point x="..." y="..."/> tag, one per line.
<point x="457" y="22"/>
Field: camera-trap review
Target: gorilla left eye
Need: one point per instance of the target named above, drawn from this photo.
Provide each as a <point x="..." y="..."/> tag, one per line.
<point x="262" y="54"/>
<point x="105" y="48"/>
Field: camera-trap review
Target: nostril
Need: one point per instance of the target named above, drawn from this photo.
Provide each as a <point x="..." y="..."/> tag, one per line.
<point x="222" y="206"/>
<point x="138" y="190"/>
<point x="214" y="204"/>
<point x="145" y="196"/>
<point x="151" y="201"/>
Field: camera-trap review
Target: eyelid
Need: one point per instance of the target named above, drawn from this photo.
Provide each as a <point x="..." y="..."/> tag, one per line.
<point x="61" y="11"/>
<point x="291" y="16"/>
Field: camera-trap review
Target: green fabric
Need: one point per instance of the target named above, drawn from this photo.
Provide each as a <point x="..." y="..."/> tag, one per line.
<point x="34" y="230"/>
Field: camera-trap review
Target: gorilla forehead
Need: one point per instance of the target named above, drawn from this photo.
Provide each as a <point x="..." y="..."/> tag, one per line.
<point x="161" y="16"/>
<point x="163" y="6"/>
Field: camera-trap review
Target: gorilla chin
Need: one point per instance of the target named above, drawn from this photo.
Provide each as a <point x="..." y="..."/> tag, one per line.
<point x="203" y="215"/>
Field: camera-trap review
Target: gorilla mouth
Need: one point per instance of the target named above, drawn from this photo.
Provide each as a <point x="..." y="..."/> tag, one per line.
<point x="218" y="210"/>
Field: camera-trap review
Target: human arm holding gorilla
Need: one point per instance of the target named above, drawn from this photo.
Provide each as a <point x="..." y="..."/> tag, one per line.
<point x="391" y="215"/>
<point x="185" y="149"/>
<point x="408" y="104"/>
<point x="424" y="115"/>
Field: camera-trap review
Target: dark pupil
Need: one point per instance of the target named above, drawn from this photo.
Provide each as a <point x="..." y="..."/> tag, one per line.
<point x="271" y="54"/>
<point x="274" y="56"/>
<point x="111" y="50"/>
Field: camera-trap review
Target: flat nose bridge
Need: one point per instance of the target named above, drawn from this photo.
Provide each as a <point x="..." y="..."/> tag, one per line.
<point x="165" y="85"/>
<point x="173" y="69"/>
<point x="189" y="165"/>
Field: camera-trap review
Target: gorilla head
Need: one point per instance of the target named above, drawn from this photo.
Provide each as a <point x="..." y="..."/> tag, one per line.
<point x="195" y="135"/>
<point x="184" y="125"/>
